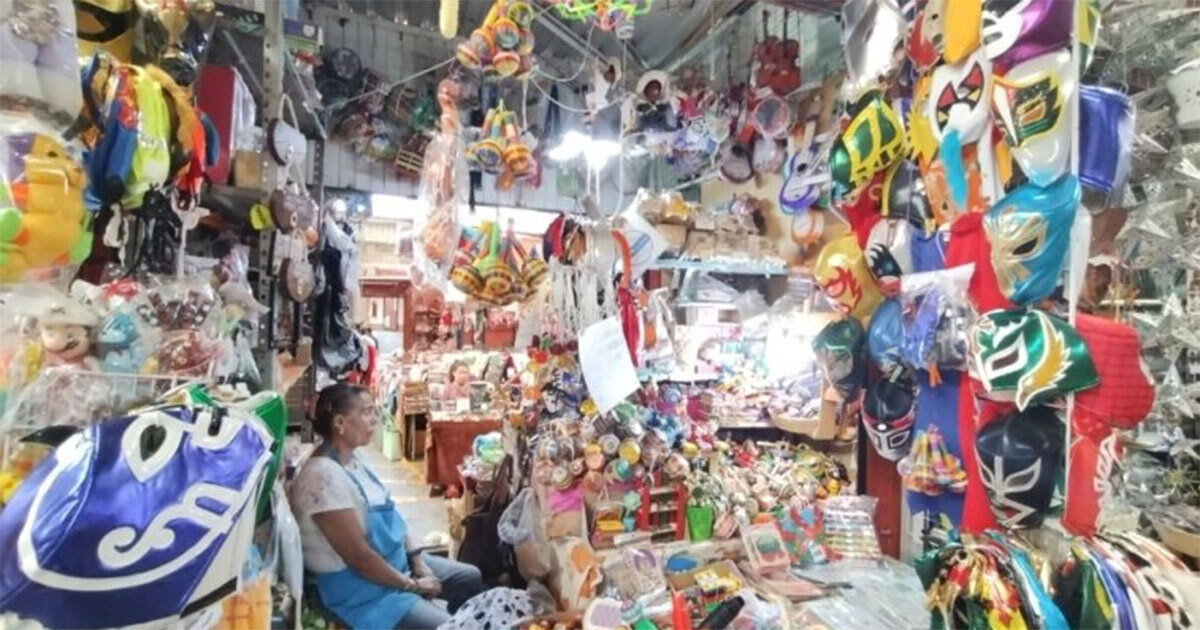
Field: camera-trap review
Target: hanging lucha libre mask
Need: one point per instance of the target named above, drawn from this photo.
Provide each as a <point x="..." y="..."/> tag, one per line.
<point x="889" y="254"/>
<point x="807" y="173"/>
<point x="1031" y="105"/>
<point x="134" y="519"/>
<point x="889" y="410"/>
<point x="872" y="141"/>
<point x="841" y="272"/>
<point x="1028" y="357"/>
<point x="1030" y="231"/>
<point x="904" y="197"/>
<point x="871" y="31"/>
<point x="958" y="100"/>
<point x="1105" y="138"/>
<point x="885" y="333"/>
<point x="1019" y="457"/>
<point x="1016" y="30"/>
<point x="961" y="30"/>
<point x="840" y="348"/>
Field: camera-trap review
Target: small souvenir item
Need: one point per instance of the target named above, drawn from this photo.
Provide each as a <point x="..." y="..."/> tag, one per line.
<point x="65" y="327"/>
<point x="930" y="468"/>
<point x="576" y="467"/>
<point x="872" y="141"/>
<point x="764" y="547"/>
<point x="1019" y="457"/>
<point x="889" y="410"/>
<point x="1029" y="357"/>
<point x="1029" y="231"/>
<point x="1031" y="103"/>
<point x="609" y="444"/>
<point x="593" y="457"/>
<point x="841" y="272"/>
<point x="69" y="551"/>
<point x="619" y="470"/>
<point x="889" y="254"/>
<point x="630" y="451"/>
<point x="1105" y="138"/>
<point x="675" y="466"/>
<point x="561" y="478"/>
<point x="840" y="347"/>
<point x="1017" y="31"/>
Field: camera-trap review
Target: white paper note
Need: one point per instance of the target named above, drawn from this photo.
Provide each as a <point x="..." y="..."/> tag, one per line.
<point x="608" y="370"/>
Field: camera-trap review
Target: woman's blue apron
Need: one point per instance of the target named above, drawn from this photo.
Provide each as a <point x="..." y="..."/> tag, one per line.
<point x="357" y="601"/>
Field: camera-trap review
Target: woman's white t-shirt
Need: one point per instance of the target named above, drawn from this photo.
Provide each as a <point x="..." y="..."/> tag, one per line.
<point x="323" y="486"/>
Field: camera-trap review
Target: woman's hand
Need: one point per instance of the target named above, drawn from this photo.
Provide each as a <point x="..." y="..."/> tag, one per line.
<point x="428" y="587"/>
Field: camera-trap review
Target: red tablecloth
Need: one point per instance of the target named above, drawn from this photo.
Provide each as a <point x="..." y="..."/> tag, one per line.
<point x="449" y="442"/>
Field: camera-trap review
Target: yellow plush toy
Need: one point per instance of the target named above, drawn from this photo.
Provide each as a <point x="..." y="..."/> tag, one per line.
<point x="43" y="222"/>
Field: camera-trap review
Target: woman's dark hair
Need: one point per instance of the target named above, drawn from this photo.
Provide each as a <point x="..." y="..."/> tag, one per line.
<point x="333" y="400"/>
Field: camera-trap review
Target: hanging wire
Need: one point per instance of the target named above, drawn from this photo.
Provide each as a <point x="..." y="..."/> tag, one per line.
<point x="384" y="89"/>
<point x="582" y="64"/>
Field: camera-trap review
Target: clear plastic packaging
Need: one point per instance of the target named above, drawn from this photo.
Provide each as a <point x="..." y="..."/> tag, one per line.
<point x="38" y="54"/>
<point x="935" y="317"/>
<point x="850" y="526"/>
<point x="43" y="221"/>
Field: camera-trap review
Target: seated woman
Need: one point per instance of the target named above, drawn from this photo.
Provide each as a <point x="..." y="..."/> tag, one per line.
<point x="355" y="542"/>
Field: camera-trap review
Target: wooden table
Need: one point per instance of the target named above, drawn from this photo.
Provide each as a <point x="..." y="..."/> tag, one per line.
<point x="449" y="442"/>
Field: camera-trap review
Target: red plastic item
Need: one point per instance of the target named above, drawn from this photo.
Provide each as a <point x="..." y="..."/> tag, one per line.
<point x="680" y="618"/>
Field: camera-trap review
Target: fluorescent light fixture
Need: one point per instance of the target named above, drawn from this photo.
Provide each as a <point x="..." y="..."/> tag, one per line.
<point x="571" y="147"/>
<point x="525" y="221"/>
<point x="574" y="144"/>
<point x="599" y="152"/>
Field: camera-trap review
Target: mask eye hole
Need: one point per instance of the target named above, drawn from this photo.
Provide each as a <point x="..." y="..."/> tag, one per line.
<point x="1026" y="248"/>
<point x="151" y="440"/>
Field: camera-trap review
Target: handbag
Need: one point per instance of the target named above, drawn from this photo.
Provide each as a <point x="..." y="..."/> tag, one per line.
<point x="481" y="544"/>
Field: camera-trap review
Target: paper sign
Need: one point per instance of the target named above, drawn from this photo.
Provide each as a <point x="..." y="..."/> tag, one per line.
<point x="608" y="370"/>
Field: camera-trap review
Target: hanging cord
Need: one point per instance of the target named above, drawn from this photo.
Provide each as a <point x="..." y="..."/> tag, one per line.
<point x="384" y="89"/>
<point x="582" y="64"/>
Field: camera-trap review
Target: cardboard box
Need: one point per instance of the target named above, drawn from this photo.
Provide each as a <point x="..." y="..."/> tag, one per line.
<point x="675" y="235"/>
<point x="248" y="168"/>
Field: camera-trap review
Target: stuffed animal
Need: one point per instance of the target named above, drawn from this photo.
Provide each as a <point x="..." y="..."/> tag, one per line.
<point x="42" y="218"/>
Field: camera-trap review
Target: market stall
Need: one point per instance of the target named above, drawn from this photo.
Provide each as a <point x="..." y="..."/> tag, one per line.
<point x="777" y="314"/>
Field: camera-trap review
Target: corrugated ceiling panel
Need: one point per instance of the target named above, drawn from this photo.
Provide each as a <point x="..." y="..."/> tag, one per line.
<point x="397" y="51"/>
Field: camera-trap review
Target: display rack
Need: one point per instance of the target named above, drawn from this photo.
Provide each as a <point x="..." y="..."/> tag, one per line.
<point x="257" y="45"/>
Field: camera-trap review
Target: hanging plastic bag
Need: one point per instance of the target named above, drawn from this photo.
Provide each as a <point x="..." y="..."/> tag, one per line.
<point x="521" y="527"/>
<point x="288" y="556"/>
<point x="935" y="315"/>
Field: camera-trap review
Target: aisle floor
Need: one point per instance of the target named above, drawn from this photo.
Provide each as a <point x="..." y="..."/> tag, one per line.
<point x="406" y="481"/>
